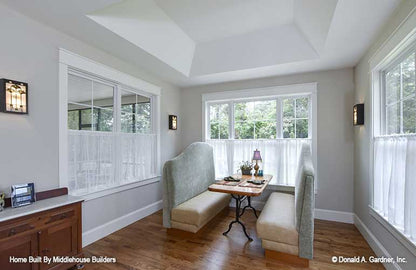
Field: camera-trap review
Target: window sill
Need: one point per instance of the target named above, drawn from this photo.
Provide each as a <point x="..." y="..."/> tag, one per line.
<point x="102" y="193"/>
<point x="411" y="246"/>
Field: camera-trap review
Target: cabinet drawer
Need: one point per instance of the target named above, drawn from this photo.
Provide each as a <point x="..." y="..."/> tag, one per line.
<point x="15" y="229"/>
<point x="63" y="214"/>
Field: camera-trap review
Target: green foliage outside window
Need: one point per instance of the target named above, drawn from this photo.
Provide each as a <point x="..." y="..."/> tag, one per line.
<point x="219" y="121"/>
<point x="295" y="117"/>
<point x="258" y="119"/>
<point x="255" y="120"/>
<point x="400" y="97"/>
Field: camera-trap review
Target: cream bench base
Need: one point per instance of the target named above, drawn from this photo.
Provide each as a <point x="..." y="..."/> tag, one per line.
<point x="277" y="229"/>
<point x="196" y="212"/>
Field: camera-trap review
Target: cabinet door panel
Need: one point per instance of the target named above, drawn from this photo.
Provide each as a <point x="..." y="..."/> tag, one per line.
<point x="59" y="240"/>
<point x="21" y="247"/>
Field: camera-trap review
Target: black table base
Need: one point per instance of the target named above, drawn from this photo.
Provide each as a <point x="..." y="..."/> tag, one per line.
<point x="238" y="213"/>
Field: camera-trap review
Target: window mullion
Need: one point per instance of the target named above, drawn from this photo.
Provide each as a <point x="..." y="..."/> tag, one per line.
<point x="117" y="109"/>
<point x="309" y="117"/>
<point x="401" y="97"/>
<point x="231" y="120"/>
<point x="208" y="122"/>
<point x="92" y="105"/>
<point x="294" y="113"/>
<point x="279" y="118"/>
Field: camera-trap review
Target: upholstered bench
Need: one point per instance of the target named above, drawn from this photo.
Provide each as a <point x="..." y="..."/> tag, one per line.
<point x="187" y="203"/>
<point x="193" y="214"/>
<point x="286" y="223"/>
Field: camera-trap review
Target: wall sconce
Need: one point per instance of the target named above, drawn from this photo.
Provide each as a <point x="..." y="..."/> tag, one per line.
<point x="173" y="122"/>
<point x="358" y="115"/>
<point x="13" y="96"/>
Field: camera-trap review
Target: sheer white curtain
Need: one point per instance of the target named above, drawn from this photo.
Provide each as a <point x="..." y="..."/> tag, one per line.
<point x="280" y="157"/>
<point x="395" y="181"/>
<point x="101" y="160"/>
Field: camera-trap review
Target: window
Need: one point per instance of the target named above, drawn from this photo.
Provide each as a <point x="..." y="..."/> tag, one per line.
<point x="258" y="119"/>
<point x="135" y="113"/>
<point x="295" y="117"/>
<point x="90" y="104"/>
<point x="109" y="144"/>
<point x="400" y="98"/>
<point x="394" y="143"/>
<point x="255" y="120"/>
<point x="219" y="121"/>
<point x="277" y="125"/>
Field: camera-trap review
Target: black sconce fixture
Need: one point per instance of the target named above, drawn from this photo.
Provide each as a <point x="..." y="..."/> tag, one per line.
<point x="358" y="114"/>
<point x="13" y="96"/>
<point x="173" y="122"/>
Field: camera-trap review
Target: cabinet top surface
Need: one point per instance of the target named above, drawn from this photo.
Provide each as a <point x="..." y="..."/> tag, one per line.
<point x="38" y="206"/>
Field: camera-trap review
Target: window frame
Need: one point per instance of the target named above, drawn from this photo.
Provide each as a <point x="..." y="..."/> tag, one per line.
<point x="382" y="71"/>
<point x="392" y="52"/>
<point x="118" y="88"/>
<point x="71" y="62"/>
<point x="268" y="93"/>
<point x="279" y="115"/>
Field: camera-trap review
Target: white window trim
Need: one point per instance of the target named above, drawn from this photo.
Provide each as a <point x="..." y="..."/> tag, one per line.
<point x="393" y="48"/>
<point x="396" y="232"/>
<point x="71" y="61"/>
<point x="268" y="93"/>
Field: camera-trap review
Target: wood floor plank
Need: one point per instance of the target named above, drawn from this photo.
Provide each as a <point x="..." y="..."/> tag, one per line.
<point x="146" y="245"/>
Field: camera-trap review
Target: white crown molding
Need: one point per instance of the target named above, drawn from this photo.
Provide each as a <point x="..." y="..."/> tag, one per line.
<point x="85" y="64"/>
<point x="292" y="89"/>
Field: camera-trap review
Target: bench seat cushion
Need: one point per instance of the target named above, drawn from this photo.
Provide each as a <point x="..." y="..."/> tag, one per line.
<point x="277" y="220"/>
<point x="196" y="212"/>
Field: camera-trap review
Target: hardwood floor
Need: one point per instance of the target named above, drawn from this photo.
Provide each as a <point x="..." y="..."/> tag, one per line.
<point x="146" y="245"/>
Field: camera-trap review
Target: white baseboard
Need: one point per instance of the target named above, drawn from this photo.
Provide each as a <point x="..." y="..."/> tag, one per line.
<point x="324" y="214"/>
<point x="103" y="230"/>
<point x="331" y="215"/>
<point x="377" y="247"/>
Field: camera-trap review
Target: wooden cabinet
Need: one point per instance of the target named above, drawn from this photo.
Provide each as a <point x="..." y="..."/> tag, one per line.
<point x="55" y="232"/>
<point x="21" y="247"/>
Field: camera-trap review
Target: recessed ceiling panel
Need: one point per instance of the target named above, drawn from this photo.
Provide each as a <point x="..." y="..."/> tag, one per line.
<point x="207" y="20"/>
<point x="267" y="47"/>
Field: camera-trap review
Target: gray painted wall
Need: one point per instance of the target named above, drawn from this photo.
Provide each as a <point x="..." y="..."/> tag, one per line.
<point x="29" y="144"/>
<point x="362" y="142"/>
<point x="335" y="130"/>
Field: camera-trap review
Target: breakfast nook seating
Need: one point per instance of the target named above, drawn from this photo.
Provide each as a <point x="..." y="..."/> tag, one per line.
<point x="286" y="224"/>
<point x="187" y="203"/>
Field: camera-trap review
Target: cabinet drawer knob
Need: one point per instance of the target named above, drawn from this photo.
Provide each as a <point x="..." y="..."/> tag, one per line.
<point x="12" y="232"/>
<point x="45" y="250"/>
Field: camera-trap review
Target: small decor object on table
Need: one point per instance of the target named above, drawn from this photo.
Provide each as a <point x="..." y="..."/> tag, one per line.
<point x="260" y="173"/>
<point x="231" y="179"/>
<point x="23" y="194"/>
<point x="257" y="157"/>
<point x="246" y="167"/>
<point x="2" y="202"/>
<point x="256" y="182"/>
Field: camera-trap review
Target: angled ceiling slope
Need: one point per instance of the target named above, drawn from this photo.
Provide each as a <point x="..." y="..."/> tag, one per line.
<point x="145" y="25"/>
<point x="194" y="42"/>
<point x="199" y="37"/>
